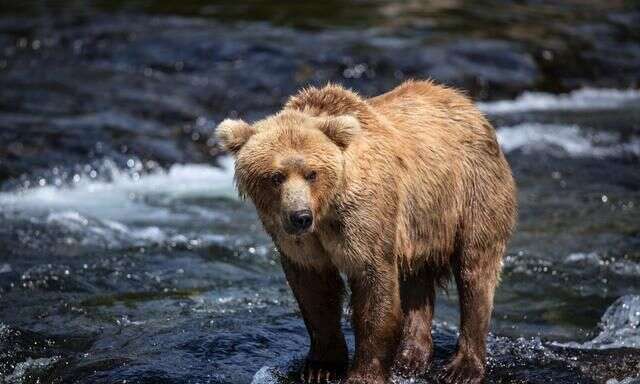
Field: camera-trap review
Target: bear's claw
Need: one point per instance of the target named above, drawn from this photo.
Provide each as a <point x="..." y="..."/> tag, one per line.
<point x="321" y="372"/>
<point x="462" y="370"/>
<point x="365" y="380"/>
<point x="413" y="359"/>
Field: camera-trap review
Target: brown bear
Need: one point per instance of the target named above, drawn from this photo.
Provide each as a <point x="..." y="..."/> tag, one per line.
<point x="397" y="192"/>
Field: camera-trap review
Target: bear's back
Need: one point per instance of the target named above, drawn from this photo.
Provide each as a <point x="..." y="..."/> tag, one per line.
<point x="452" y="172"/>
<point x="426" y="111"/>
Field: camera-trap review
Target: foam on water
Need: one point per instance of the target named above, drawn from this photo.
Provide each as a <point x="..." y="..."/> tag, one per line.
<point x="112" y="233"/>
<point x="571" y="139"/>
<point x="126" y="208"/>
<point x="582" y="99"/>
<point x="124" y="196"/>
<point x="265" y="375"/>
<point x="628" y="380"/>
<point x="592" y="259"/>
<point x="30" y="369"/>
<point x="619" y="326"/>
<point x="4" y="329"/>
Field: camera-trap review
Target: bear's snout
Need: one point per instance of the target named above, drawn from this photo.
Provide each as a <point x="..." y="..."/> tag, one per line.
<point x="300" y="221"/>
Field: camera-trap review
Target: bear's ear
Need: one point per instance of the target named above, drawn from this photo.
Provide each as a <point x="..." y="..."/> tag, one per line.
<point x="340" y="129"/>
<point x="233" y="134"/>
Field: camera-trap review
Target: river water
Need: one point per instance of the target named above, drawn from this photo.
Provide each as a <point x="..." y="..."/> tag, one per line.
<point x="125" y="255"/>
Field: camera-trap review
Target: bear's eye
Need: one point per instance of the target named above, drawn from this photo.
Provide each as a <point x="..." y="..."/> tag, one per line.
<point x="311" y="176"/>
<point x="277" y="179"/>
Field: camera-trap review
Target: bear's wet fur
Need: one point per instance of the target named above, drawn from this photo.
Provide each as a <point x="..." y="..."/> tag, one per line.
<point x="398" y="192"/>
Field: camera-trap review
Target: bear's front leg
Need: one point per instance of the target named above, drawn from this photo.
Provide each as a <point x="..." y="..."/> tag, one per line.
<point x="319" y="293"/>
<point x="377" y="320"/>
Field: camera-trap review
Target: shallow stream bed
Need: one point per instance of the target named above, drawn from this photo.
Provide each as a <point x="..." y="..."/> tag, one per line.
<point x="125" y="255"/>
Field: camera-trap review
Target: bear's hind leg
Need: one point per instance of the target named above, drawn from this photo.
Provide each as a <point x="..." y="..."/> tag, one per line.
<point x="417" y="294"/>
<point x="476" y="273"/>
<point x="319" y="295"/>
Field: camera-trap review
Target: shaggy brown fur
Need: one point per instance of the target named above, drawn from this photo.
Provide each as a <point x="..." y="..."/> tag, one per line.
<point x="397" y="192"/>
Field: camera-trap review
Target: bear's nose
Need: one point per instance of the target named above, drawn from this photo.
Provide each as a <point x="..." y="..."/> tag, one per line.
<point x="301" y="220"/>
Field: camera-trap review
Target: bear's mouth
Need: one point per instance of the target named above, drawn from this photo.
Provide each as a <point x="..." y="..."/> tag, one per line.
<point x="298" y="233"/>
<point x="289" y="230"/>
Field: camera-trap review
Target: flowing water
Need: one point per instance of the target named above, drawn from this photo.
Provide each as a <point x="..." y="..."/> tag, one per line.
<point x="125" y="255"/>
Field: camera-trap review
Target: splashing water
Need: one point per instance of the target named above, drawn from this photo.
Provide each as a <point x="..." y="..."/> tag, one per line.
<point x="124" y="195"/>
<point x="534" y="137"/>
<point x="619" y="327"/>
<point x="582" y="99"/>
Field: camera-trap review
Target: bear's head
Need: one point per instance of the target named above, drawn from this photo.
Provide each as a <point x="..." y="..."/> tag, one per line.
<point x="290" y="164"/>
